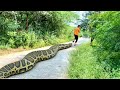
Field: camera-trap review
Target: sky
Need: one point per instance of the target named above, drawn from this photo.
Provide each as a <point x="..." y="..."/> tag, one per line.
<point x="80" y="13"/>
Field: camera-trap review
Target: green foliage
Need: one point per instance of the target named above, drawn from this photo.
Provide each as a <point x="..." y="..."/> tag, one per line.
<point x="12" y="25"/>
<point x="29" y="28"/>
<point x="105" y="52"/>
<point x="84" y="64"/>
<point x="4" y="47"/>
<point x="106" y="33"/>
<point x="84" y="33"/>
<point x="17" y="39"/>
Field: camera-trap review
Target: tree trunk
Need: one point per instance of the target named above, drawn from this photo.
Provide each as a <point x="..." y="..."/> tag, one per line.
<point x="27" y="22"/>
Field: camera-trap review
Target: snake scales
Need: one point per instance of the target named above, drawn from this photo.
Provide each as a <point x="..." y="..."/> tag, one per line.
<point x="30" y="60"/>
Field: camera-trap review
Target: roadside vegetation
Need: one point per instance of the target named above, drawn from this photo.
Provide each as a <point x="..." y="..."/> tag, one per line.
<point x="24" y="30"/>
<point x="100" y="58"/>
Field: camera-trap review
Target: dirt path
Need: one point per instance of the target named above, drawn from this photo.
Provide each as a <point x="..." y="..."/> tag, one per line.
<point x="55" y="68"/>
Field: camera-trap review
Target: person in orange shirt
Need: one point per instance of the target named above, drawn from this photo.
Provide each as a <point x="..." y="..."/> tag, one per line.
<point x="76" y="33"/>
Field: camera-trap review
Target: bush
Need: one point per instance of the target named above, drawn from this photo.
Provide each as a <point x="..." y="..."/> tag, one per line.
<point x="84" y="64"/>
<point x="17" y="39"/>
<point x="45" y="25"/>
<point x="107" y="33"/>
<point x="84" y="33"/>
<point x="4" y="47"/>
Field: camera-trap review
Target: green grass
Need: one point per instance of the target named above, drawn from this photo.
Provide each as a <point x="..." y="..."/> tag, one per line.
<point x="84" y="65"/>
<point x="4" y="47"/>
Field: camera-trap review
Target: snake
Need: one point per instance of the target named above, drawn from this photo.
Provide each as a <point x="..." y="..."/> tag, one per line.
<point x="30" y="60"/>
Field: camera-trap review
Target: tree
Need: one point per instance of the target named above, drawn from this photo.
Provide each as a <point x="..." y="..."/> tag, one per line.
<point x="20" y="24"/>
<point x="107" y="35"/>
<point x="92" y="23"/>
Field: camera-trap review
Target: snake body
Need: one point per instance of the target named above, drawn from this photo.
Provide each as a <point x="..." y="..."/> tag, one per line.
<point x="30" y="60"/>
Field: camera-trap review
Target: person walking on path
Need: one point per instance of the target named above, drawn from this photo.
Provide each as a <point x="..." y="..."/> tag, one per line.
<point x="76" y="33"/>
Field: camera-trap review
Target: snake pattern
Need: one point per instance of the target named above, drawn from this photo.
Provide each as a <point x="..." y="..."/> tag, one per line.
<point x="30" y="60"/>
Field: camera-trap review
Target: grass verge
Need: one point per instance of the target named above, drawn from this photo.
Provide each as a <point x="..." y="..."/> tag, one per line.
<point x="84" y="65"/>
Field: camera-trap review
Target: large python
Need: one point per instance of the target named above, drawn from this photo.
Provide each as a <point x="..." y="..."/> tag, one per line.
<point x="30" y="60"/>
